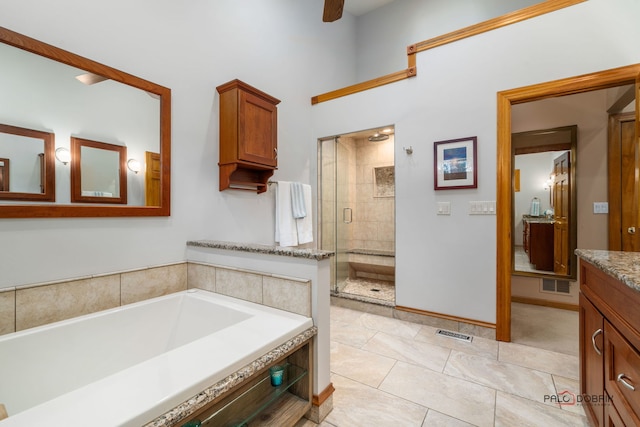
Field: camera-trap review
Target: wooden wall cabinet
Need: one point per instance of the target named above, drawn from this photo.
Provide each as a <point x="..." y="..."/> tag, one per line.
<point x="609" y="343"/>
<point x="248" y="137"/>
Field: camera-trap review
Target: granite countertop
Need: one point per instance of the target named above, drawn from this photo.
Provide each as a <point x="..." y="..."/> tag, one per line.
<point x="541" y="218"/>
<point x="262" y="249"/>
<point x="624" y="266"/>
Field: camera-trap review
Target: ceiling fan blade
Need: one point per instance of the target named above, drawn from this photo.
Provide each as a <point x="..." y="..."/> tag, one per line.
<point x="332" y="10"/>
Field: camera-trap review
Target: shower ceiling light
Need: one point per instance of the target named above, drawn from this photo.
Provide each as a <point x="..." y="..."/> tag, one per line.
<point x="378" y="137"/>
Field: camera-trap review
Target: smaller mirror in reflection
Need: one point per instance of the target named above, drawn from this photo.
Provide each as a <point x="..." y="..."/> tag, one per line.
<point x="98" y="172"/>
<point x="26" y="164"/>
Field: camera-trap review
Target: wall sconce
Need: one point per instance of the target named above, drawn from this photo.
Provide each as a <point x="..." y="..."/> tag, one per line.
<point x="133" y="165"/>
<point x="63" y="155"/>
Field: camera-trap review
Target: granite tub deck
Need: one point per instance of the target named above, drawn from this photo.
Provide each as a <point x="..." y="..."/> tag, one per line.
<point x="624" y="266"/>
<point x="262" y="249"/>
<point x="154" y="362"/>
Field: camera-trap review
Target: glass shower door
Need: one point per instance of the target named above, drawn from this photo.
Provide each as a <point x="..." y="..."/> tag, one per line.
<point x="336" y="212"/>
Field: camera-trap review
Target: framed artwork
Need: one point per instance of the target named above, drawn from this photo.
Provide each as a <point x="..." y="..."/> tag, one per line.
<point x="455" y="164"/>
<point x="383" y="181"/>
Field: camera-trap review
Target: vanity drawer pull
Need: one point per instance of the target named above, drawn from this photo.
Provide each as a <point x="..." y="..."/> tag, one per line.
<point x="621" y="379"/>
<point x="593" y="341"/>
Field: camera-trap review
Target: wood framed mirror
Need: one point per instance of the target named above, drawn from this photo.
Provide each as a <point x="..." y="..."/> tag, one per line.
<point x="545" y="238"/>
<point x="29" y="64"/>
<point x="27" y="166"/>
<point x="98" y="172"/>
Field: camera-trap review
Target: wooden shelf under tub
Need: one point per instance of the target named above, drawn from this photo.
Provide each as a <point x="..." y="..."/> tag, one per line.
<point x="258" y="403"/>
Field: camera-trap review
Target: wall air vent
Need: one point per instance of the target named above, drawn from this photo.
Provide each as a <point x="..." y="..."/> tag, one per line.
<point x="454" y="335"/>
<point x="556" y="286"/>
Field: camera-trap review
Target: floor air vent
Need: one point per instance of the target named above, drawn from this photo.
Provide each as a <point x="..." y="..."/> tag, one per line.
<point x="454" y="335"/>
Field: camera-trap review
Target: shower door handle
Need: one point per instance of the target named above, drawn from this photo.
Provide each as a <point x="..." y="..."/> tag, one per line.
<point x="347" y="215"/>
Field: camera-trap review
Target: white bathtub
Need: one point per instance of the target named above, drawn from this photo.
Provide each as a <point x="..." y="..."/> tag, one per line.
<point x="126" y="366"/>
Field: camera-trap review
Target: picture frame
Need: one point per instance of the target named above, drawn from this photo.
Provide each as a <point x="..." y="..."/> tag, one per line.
<point x="455" y="164"/>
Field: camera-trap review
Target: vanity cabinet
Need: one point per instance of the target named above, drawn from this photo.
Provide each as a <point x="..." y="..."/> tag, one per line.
<point x="248" y="137"/>
<point x="538" y="243"/>
<point x="609" y="343"/>
<point x="258" y="403"/>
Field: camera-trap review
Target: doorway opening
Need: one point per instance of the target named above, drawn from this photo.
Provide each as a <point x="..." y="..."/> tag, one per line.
<point x="356" y="179"/>
<point x="506" y="100"/>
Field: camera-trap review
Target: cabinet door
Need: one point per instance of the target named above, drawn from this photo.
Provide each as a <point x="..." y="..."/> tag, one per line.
<point x="611" y="416"/>
<point x="622" y="375"/>
<point x="591" y="359"/>
<point x="257" y="130"/>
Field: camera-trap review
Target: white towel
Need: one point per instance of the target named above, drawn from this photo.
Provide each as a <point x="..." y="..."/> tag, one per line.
<point x="304" y="225"/>
<point x="286" y="232"/>
<point x="298" y="206"/>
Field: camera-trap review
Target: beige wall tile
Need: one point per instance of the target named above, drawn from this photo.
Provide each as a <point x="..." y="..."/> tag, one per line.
<point x="201" y="276"/>
<point x="289" y="295"/>
<point x="46" y="304"/>
<point x="153" y="282"/>
<point x="7" y="312"/>
<point x="239" y="284"/>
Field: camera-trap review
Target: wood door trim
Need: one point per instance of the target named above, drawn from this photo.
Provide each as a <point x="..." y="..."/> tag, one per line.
<point x="572" y="85"/>
<point x="614" y="179"/>
<point x="514" y="17"/>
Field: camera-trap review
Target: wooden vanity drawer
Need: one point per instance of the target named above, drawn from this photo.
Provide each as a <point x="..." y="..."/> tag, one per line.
<point x="622" y="374"/>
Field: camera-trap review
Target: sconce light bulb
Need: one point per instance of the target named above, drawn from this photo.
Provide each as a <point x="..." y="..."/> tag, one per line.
<point x="63" y="155"/>
<point x="134" y="165"/>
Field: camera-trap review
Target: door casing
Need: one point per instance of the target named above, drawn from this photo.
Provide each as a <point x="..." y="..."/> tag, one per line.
<point x="569" y="86"/>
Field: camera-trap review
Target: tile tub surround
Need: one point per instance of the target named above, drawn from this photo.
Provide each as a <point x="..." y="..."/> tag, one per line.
<point x="285" y="293"/>
<point x="624" y="266"/>
<point x="28" y="306"/>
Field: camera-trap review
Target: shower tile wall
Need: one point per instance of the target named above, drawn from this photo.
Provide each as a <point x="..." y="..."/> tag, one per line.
<point x="346" y="196"/>
<point x="374" y="217"/>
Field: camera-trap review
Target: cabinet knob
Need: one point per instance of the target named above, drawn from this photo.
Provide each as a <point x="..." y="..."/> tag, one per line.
<point x="621" y="379"/>
<point x="631" y="230"/>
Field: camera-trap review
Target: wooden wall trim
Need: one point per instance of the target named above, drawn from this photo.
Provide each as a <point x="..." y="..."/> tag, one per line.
<point x="569" y="86"/>
<point x="546" y="303"/>
<point x="498" y="22"/>
<point x="369" y="84"/>
<point x="547" y="6"/>
<point x="323" y="396"/>
<point x="446" y="316"/>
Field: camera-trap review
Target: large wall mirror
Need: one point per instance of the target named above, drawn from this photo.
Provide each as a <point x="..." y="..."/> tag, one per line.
<point x="54" y="92"/>
<point x="544" y="212"/>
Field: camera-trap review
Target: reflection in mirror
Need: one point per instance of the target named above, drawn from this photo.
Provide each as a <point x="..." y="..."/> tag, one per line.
<point x="98" y="172"/>
<point x="544" y="203"/>
<point x="40" y="86"/>
<point x="27" y="164"/>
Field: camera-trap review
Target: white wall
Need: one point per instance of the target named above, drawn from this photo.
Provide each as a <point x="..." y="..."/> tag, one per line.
<point x="279" y="46"/>
<point x="447" y="264"/>
<point x="383" y="34"/>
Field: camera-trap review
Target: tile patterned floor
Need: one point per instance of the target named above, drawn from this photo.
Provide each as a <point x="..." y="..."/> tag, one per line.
<point x="389" y="372"/>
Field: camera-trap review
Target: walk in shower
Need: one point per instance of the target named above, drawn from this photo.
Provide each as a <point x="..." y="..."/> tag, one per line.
<point x="357" y="213"/>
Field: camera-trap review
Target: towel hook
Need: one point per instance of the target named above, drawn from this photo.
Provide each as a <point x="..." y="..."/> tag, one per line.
<point x="408" y="150"/>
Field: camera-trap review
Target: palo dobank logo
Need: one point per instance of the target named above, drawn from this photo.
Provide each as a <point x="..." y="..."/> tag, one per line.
<point x="564" y="398"/>
<point x="567" y="398"/>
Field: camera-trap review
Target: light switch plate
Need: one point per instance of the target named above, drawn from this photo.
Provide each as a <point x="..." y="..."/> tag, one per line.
<point x="444" y="208"/>
<point x="600" y="207"/>
<point x="482" y="208"/>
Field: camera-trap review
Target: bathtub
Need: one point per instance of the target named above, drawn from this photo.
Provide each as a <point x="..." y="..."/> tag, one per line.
<point x="129" y="365"/>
